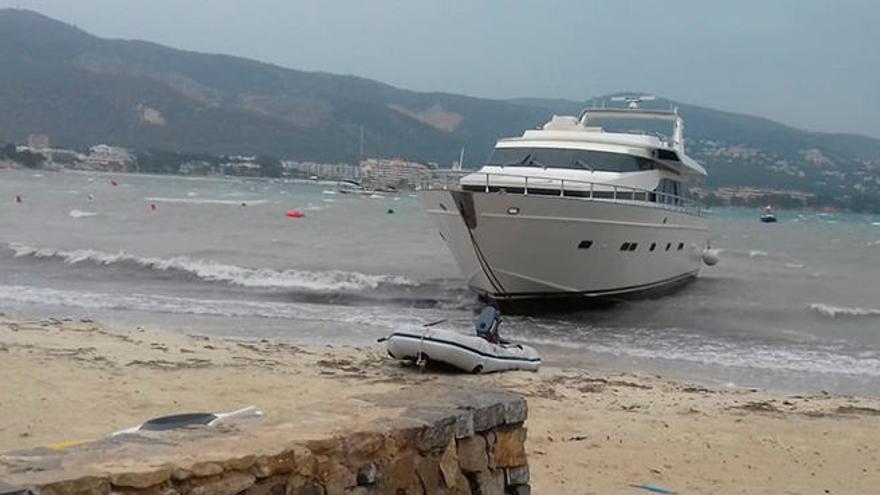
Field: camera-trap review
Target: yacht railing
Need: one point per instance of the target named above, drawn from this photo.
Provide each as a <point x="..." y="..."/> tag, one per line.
<point x="557" y="186"/>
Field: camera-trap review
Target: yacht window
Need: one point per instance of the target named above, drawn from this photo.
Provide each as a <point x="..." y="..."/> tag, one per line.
<point x="624" y="246"/>
<point x="653" y="246"/>
<point x="668" y="245"/>
<point x="569" y="158"/>
<point x="671" y="190"/>
<point x="633" y="246"/>
<point x="667" y="155"/>
<point x="585" y="244"/>
<point x="680" y="246"/>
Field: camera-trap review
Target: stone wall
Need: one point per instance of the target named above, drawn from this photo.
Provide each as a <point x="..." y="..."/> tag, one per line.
<point x="458" y="441"/>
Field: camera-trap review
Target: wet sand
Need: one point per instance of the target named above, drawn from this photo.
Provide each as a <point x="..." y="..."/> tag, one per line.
<point x="588" y="433"/>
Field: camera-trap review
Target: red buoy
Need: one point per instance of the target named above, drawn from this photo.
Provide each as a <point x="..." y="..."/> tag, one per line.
<point x="294" y="214"/>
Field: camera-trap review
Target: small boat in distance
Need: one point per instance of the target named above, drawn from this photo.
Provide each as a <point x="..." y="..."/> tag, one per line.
<point x="768" y="215"/>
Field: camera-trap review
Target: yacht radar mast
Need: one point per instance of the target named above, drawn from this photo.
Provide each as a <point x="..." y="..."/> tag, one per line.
<point x="634" y="102"/>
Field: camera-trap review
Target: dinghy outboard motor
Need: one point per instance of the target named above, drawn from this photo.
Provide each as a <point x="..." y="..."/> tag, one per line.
<point x="487" y="324"/>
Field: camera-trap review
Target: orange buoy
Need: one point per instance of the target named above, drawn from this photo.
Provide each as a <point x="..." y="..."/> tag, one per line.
<point x="294" y="214"/>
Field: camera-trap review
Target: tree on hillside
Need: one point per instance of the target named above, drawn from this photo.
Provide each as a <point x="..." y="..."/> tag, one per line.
<point x="26" y="158"/>
<point x="269" y="167"/>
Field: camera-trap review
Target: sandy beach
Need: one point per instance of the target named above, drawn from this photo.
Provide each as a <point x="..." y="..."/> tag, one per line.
<point x="65" y="380"/>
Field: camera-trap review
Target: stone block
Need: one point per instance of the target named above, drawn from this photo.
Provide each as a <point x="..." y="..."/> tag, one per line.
<point x="516" y="410"/>
<point x="464" y="423"/>
<point x="368" y="474"/>
<point x="472" y="454"/>
<point x="306" y="463"/>
<point x="201" y="469"/>
<point x="362" y="444"/>
<point x="490" y="483"/>
<point x="280" y="463"/>
<point x="517" y="475"/>
<point x="239" y="463"/>
<point x="161" y="489"/>
<point x="400" y="476"/>
<point x="449" y="468"/>
<point x="180" y="474"/>
<point x="510" y="448"/>
<point x="227" y="484"/>
<point x="488" y="416"/>
<point x="437" y="434"/>
<point x="299" y="485"/>
<point x="141" y="479"/>
<point x="335" y="477"/>
<point x="428" y="471"/>
<point x="276" y="485"/>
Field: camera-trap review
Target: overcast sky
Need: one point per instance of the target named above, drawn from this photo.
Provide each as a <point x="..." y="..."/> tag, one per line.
<point x="809" y="63"/>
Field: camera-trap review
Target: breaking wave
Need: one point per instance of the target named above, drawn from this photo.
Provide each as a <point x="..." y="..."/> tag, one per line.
<point x="839" y="311"/>
<point x="233" y="308"/>
<point x="205" y="201"/>
<point x="80" y="213"/>
<point x="212" y="271"/>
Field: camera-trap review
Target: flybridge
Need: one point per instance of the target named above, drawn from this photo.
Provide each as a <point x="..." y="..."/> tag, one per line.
<point x="569" y="132"/>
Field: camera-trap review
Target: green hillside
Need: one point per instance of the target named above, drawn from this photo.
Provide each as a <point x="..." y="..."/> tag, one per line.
<point x="81" y="90"/>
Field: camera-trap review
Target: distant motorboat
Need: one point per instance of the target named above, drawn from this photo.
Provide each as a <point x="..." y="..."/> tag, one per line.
<point x="768" y="215"/>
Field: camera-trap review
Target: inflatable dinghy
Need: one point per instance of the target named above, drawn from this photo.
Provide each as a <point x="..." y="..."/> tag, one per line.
<point x="471" y="354"/>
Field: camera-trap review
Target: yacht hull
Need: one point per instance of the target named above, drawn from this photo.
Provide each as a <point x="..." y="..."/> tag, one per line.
<point x="518" y="249"/>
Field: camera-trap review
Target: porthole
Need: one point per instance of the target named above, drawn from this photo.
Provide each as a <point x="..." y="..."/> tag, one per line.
<point x="513" y="210"/>
<point x="585" y="244"/>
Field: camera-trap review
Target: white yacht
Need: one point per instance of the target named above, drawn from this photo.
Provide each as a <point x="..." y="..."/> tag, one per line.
<point x="574" y="211"/>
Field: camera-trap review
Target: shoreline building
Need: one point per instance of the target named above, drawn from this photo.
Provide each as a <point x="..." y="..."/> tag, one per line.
<point x="398" y="173"/>
<point x="328" y="171"/>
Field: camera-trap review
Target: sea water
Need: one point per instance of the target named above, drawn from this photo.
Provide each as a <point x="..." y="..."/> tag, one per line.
<point x="793" y="305"/>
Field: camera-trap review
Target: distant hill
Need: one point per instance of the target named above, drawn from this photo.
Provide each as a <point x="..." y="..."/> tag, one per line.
<point x="80" y="90"/>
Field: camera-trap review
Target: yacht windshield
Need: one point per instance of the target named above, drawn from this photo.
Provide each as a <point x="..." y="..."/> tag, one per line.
<point x="568" y="158"/>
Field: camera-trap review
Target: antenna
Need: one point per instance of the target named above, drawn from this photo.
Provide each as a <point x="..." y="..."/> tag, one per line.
<point x="633" y="102"/>
<point x="461" y="159"/>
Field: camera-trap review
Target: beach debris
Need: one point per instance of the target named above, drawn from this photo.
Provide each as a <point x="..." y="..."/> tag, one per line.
<point x="653" y="488"/>
<point x="189" y="420"/>
<point x="294" y="214"/>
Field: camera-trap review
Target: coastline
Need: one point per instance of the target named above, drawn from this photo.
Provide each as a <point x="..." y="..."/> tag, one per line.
<point x="588" y="433"/>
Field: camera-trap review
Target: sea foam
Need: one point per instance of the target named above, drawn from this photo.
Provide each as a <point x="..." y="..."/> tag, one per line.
<point x="212" y="271"/>
<point x="842" y="311"/>
<point x="80" y="213"/>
